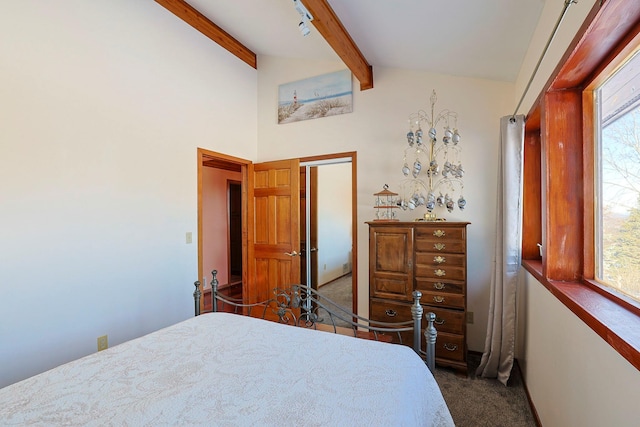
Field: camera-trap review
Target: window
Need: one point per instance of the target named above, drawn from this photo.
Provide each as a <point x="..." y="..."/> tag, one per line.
<point x="589" y="229"/>
<point x="617" y="186"/>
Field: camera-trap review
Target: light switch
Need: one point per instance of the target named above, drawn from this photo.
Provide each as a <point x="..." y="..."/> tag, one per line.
<point x="189" y="237"/>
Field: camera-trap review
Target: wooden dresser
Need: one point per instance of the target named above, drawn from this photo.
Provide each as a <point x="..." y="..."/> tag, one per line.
<point x="430" y="257"/>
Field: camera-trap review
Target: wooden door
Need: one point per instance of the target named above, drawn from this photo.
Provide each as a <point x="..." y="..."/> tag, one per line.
<point x="274" y="228"/>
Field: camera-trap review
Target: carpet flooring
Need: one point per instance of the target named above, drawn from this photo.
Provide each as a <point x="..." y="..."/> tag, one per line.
<point x="483" y="402"/>
<point x="339" y="291"/>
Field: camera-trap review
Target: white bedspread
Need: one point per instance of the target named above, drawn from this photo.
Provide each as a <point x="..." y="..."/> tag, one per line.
<point x="230" y="370"/>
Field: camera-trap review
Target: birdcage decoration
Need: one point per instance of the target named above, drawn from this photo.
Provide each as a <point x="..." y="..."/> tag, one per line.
<point x="385" y="204"/>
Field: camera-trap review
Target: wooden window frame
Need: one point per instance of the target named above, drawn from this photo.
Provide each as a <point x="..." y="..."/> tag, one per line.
<point x="559" y="143"/>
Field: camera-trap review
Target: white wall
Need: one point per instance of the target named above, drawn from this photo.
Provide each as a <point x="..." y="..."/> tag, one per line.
<point x="334" y="221"/>
<point x="573" y="376"/>
<point x="376" y="129"/>
<point x="103" y="106"/>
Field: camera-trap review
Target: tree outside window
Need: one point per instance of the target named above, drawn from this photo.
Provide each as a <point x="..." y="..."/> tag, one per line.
<point x="618" y="186"/>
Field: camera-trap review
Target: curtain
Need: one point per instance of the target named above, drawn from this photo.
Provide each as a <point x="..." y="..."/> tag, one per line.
<point x="499" y="348"/>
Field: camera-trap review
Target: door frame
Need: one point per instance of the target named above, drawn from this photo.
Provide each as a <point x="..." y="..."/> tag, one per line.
<point x="208" y="158"/>
<point x="224" y="161"/>
<point x="310" y="210"/>
<point x="353" y="155"/>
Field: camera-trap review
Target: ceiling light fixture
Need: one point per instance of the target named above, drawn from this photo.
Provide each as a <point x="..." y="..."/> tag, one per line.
<point x="305" y="15"/>
<point x="304" y="29"/>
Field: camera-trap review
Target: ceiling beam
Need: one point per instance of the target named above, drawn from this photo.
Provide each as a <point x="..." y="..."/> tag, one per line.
<point x="329" y="26"/>
<point x="191" y="16"/>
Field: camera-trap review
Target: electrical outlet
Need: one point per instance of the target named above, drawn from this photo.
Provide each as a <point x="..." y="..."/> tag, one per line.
<point x="189" y="238"/>
<point x="103" y="343"/>
<point x="469" y="316"/>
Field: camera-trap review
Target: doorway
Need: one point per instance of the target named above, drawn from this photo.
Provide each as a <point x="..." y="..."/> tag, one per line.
<point x="210" y="238"/>
<point x="221" y="224"/>
<point x="234" y="214"/>
<point x="328" y="230"/>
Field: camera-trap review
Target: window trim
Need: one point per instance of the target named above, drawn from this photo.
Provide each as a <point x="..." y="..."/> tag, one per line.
<point x="563" y="115"/>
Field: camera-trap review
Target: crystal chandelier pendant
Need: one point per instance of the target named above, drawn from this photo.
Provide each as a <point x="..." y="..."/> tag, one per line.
<point x="449" y="203"/>
<point x="417" y="167"/>
<point x="456" y="137"/>
<point x="447" y="136"/>
<point x="419" y="137"/>
<point x="433" y="167"/>
<point x="462" y="203"/>
<point x="410" y="138"/>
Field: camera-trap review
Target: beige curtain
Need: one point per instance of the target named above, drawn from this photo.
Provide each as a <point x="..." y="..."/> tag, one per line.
<point x="499" y="348"/>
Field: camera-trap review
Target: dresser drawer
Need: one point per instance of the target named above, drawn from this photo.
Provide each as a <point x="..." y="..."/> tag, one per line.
<point x="442" y="299"/>
<point x="440" y="272"/>
<point x="440" y="245"/>
<point x="440" y="233"/>
<point x="389" y="311"/>
<point x="446" y="320"/>
<point x="440" y="259"/>
<point x="438" y="285"/>
<point x="450" y="346"/>
<point x="451" y="321"/>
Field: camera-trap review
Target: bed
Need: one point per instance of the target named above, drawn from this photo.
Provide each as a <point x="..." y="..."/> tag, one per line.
<point x="303" y="306"/>
<point x="226" y="369"/>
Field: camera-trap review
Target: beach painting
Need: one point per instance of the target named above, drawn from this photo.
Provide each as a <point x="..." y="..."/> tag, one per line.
<point x="321" y="96"/>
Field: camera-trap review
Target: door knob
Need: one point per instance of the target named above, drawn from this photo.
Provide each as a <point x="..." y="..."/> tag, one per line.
<point x="294" y="253"/>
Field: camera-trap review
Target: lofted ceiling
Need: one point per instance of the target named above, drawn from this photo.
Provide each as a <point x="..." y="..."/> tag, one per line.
<point x="470" y="38"/>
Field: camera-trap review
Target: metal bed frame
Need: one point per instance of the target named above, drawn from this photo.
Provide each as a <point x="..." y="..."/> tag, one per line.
<point x="302" y="306"/>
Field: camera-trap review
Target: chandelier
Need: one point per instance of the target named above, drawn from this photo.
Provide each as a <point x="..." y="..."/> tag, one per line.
<point x="432" y="168"/>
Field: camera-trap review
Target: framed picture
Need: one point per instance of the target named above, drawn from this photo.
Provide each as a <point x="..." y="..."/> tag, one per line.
<point x="321" y="96"/>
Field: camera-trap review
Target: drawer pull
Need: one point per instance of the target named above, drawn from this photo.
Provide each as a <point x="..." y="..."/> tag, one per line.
<point x="438" y="299"/>
<point x="439" y="321"/>
<point x="439" y="233"/>
<point x="440" y="272"/>
<point x="439" y="286"/>
<point x="391" y="313"/>
<point x="439" y="259"/>
<point x="438" y="246"/>
<point x="450" y="347"/>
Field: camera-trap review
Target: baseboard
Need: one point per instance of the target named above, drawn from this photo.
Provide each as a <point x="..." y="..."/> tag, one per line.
<point x="526" y="390"/>
<point x="337" y="278"/>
